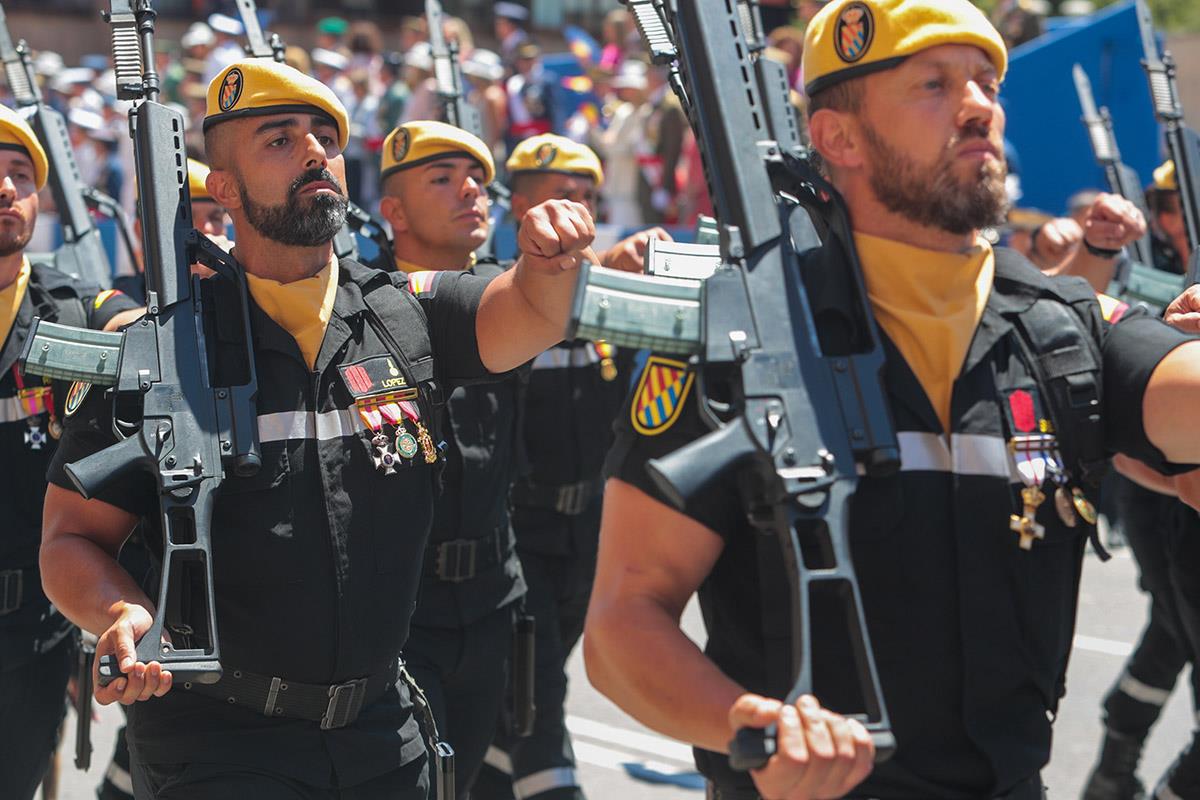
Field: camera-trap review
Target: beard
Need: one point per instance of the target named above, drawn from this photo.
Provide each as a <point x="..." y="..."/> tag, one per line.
<point x="934" y="196"/>
<point x="14" y="240"/>
<point x="298" y="222"/>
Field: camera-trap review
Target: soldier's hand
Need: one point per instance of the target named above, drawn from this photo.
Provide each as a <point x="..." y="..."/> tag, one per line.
<point x="140" y="681"/>
<point x="1184" y="311"/>
<point x="1055" y="242"/>
<point x="818" y="755"/>
<point x="1113" y="222"/>
<point x="555" y="235"/>
<point x="629" y="254"/>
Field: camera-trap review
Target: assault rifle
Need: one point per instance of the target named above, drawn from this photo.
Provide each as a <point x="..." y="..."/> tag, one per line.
<point x="82" y="253"/>
<point x="1122" y="180"/>
<point x="1182" y="142"/>
<point x="258" y="46"/>
<point x="1136" y="279"/>
<point x="458" y="111"/>
<point x="807" y="409"/>
<point x="170" y="416"/>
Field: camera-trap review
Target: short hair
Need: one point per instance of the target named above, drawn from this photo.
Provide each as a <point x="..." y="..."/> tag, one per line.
<point x="844" y="96"/>
<point x="216" y="148"/>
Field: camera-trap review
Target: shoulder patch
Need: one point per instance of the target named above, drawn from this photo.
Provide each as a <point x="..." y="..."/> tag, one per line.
<point x="105" y="296"/>
<point x="424" y="282"/>
<point x="75" y="396"/>
<point x="1111" y="308"/>
<point x="660" y="395"/>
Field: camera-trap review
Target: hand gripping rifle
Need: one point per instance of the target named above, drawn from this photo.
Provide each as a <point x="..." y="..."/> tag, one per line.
<point x="459" y="112"/>
<point x="188" y="430"/>
<point x="1182" y="142"/>
<point x="82" y="253"/>
<point x="805" y="416"/>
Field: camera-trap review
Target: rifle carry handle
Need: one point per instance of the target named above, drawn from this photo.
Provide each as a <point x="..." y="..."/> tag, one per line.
<point x="752" y="748"/>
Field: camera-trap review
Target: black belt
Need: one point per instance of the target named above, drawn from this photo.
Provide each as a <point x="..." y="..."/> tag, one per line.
<point x="571" y="499"/>
<point x="1028" y="789"/>
<point x="461" y="560"/>
<point x="334" y="706"/>
<point x="17" y="586"/>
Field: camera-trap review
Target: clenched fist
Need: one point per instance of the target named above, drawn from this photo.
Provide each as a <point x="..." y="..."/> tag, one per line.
<point x="555" y="235"/>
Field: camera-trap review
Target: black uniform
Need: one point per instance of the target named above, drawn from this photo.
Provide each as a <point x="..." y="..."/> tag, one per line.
<point x="316" y="559"/>
<point x="461" y="630"/>
<point x="569" y="408"/>
<point x="35" y="640"/>
<point x="971" y="633"/>
<point x="1136" y="699"/>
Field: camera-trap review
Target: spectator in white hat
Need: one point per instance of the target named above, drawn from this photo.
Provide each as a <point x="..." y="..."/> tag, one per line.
<point x="228" y="46"/>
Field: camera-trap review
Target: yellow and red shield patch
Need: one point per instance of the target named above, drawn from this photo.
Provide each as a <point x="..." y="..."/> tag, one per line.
<point x="660" y="395"/>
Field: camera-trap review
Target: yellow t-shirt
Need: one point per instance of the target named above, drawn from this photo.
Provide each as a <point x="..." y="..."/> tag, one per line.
<point x="10" y="301"/>
<point x="929" y="304"/>
<point x="302" y="308"/>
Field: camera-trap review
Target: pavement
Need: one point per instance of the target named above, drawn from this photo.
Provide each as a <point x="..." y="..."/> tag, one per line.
<point x="618" y="758"/>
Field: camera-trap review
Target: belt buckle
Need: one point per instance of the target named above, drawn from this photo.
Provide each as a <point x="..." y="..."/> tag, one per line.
<point x="445" y="564"/>
<point x="345" y="700"/>
<point x="12" y="586"/>
<point x="570" y="500"/>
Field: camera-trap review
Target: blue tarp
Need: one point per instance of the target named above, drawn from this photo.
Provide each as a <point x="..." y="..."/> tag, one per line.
<point x="1043" y="110"/>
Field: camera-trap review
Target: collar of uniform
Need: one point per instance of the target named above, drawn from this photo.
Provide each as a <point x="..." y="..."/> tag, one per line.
<point x="37" y="302"/>
<point x="1018" y="284"/>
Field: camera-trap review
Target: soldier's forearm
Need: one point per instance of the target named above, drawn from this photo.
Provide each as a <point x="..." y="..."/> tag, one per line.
<point x="640" y="659"/>
<point x="86" y="583"/>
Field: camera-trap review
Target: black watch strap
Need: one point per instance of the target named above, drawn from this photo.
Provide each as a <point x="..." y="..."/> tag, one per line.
<point x="1100" y="252"/>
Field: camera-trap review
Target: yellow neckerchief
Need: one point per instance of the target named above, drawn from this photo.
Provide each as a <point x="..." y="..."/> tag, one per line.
<point x="929" y="303"/>
<point x="302" y="308"/>
<point x="10" y="300"/>
<point x="409" y="268"/>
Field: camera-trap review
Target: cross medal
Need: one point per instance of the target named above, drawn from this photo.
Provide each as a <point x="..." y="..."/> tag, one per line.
<point x="1025" y="525"/>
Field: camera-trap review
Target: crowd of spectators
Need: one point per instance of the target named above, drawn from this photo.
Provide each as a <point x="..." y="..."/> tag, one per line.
<point x="600" y="91"/>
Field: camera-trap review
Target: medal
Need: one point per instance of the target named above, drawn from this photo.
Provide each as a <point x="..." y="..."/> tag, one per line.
<point x="1026" y="525"/>
<point x="1062" y="496"/>
<point x="385" y="459"/>
<point x="608" y="367"/>
<point x="35" y="437"/>
<point x="1083" y="506"/>
<point x="56" y="429"/>
<point x="406" y="443"/>
<point x="427" y="446"/>
<point x="1065" y="507"/>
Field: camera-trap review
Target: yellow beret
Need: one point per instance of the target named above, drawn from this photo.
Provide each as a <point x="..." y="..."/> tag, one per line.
<point x="197" y="173"/>
<point x="15" y="134"/>
<point x="1164" y="177"/>
<point x="848" y="38"/>
<point x="416" y="143"/>
<point x="549" y="153"/>
<point x="257" y="86"/>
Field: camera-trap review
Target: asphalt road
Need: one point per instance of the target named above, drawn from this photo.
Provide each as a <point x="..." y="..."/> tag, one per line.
<point x="611" y="748"/>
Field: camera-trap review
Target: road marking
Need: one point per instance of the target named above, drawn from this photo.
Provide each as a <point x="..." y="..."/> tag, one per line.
<point x="598" y="756"/>
<point x="639" y="742"/>
<point x="1106" y="646"/>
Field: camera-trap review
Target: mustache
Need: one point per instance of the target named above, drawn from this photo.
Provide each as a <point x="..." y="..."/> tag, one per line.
<point x="311" y="176"/>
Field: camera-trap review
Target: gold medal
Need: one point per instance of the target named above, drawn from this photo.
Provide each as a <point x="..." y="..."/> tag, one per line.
<point x="1065" y="507"/>
<point x="1083" y="506"/>
<point x="1026" y="525"/>
<point x="426" y="441"/>
<point x="608" y="367"/>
